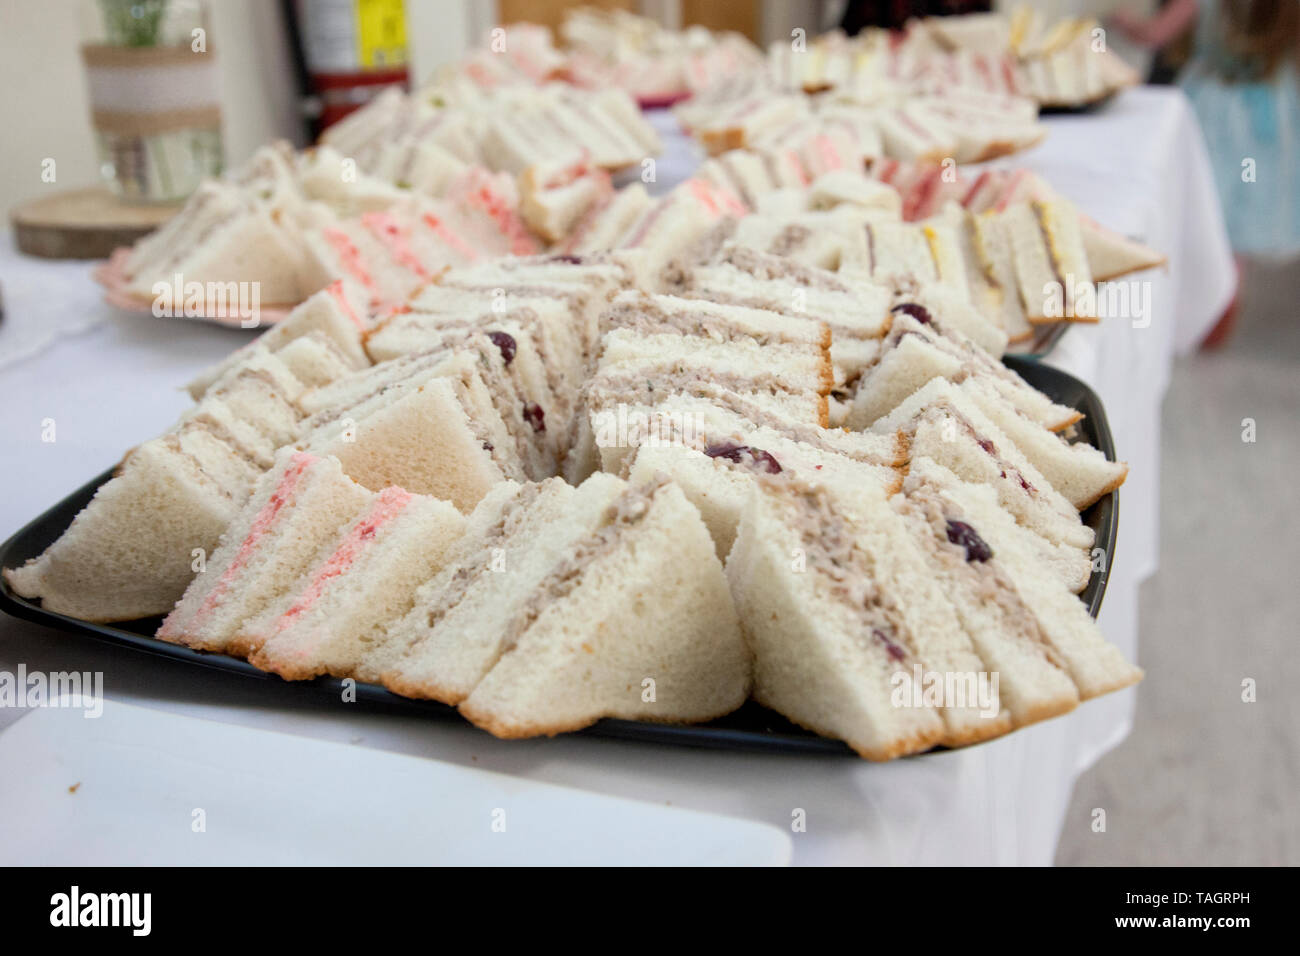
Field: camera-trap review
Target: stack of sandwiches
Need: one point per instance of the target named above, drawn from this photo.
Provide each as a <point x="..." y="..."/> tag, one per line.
<point x="765" y="445"/>
<point x="505" y="128"/>
<point x="653" y="64"/>
<point x="133" y="549"/>
<point x="1065" y="63"/>
<point x="289" y="226"/>
<point x="920" y="126"/>
<point x="545" y="609"/>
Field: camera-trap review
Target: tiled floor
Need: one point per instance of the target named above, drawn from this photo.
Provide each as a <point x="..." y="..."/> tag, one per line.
<point x="1206" y="778"/>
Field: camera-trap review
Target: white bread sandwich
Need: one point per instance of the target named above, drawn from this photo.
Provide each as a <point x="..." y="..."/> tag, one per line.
<point x="226" y="233"/>
<point x="1051" y="263"/>
<point x="533" y="404"/>
<point x="1015" y="566"/>
<point x="608" y="220"/>
<point x="1111" y="255"/>
<point x="715" y="456"/>
<point x="295" y="509"/>
<point x="363" y="578"/>
<point x="915" y="133"/>
<point x="836" y="601"/>
<point x="921" y="346"/>
<point x="743" y="122"/>
<point x="1070" y="566"/>
<point x="131" y="552"/>
<point x="856" y="311"/>
<point x="945" y="424"/>
<point x="824" y="240"/>
<point x="682" y="228"/>
<point x="438" y="431"/>
<point x="1077" y="470"/>
<point x="555" y="197"/>
<point x="985" y="245"/>
<point x="851" y="187"/>
<point x="525" y="127"/>
<point x="336" y="313"/>
<point x="612" y="605"/>
<point x="1033" y="681"/>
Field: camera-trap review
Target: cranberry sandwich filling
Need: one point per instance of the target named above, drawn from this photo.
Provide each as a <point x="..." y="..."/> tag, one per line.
<point x="758" y="458"/>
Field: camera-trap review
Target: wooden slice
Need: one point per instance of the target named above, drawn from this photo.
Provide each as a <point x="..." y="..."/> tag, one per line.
<point x="84" y="223"/>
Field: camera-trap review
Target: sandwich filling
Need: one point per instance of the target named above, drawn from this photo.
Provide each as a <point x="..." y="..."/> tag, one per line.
<point x="511" y="517"/>
<point x="847" y="574"/>
<point x="623" y="515"/>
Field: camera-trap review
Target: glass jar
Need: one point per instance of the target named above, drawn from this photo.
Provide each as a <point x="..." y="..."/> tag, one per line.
<point x="154" y="96"/>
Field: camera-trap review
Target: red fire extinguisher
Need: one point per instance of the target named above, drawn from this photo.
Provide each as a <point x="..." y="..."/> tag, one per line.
<point x="345" y="52"/>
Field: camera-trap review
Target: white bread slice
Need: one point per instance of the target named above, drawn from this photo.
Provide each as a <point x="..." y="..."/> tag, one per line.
<point x="1033" y="683"/>
<point x="920" y="347"/>
<point x="606" y="223"/>
<point x="452" y="636"/>
<point x="555" y="197"/>
<point x="742" y="364"/>
<point x="435" y="437"/>
<point x="295" y="509"/>
<point x="1077" y="470"/>
<point x="914" y="133"/>
<point x="946" y="425"/>
<point x="130" y="552"/>
<point x="1069" y="565"/>
<point x="313" y="360"/>
<point x="1050" y="260"/>
<point x="1111" y="255"/>
<point x="990" y="244"/>
<point x="337" y="312"/>
<point x="850" y="187"/>
<point x="645" y="631"/>
<point x="717" y="478"/>
<point x="242" y="243"/>
<point x="1095" y="665"/>
<point x="834" y="601"/>
<point x="365" y="578"/>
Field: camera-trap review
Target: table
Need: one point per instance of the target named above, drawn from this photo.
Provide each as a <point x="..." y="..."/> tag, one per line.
<point x="111" y="380"/>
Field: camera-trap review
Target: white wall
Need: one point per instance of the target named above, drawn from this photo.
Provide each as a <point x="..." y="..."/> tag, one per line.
<point x="439" y="31"/>
<point x="44" y="113"/>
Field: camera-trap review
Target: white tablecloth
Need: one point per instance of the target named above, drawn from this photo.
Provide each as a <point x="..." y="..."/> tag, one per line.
<point x="113" y="380"/>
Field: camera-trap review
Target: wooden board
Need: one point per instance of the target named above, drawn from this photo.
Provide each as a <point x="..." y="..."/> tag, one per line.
<point x="83" y="223"/>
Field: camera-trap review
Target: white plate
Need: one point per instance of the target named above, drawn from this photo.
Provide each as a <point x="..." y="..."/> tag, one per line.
<point x="131" y="787"/>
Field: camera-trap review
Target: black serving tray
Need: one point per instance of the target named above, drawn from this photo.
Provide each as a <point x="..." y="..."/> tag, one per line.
<point x="751" y="728"/>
